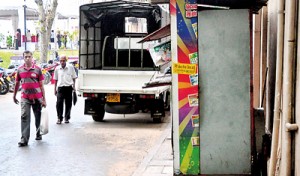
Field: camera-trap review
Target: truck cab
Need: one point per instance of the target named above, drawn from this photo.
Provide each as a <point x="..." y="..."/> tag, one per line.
<point x="113" y="65"/>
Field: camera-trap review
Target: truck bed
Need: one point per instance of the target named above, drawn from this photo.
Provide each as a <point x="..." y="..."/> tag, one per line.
<point x="111" y="81"/>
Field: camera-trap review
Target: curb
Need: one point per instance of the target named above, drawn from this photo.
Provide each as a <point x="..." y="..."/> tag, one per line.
<point x="142" y="167"/>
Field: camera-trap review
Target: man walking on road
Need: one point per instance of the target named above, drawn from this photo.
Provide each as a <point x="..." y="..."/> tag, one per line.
<point x="64" y="76"/>
<point x="33" y="96"/>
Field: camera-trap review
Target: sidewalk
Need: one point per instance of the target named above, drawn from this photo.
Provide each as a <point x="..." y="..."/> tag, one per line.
<point x="159" y="161"/>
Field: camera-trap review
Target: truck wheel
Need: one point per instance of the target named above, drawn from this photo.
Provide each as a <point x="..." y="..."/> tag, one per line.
<point x="157" y="119"/>
<point x="100" y="115"/>
<point x="167" y="102"/>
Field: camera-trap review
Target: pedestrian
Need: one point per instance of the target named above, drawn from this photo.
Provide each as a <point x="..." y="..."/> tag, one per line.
<point x="56" y="59"/>
<point x="64" y="77"/>
<point x="52" y="36"/>
<point x="18" y="39"/>
<point x="65" y="39"/>
<point x="32" y="97"/>
<point x="58" y="36"/>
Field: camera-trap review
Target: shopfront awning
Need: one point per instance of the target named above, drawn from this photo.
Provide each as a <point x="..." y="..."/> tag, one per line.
<point x="254" y="5"/>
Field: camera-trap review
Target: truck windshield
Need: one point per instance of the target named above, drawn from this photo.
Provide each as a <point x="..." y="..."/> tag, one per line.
<point x="135" y="25"/>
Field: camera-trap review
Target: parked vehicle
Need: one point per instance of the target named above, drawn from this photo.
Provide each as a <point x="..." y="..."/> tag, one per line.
<point x="113" y="66"/>
<point x="47" y="70"/>
<point x="4" y="85"/>
<point x="11" y="68"/>
<point x="12" y="78"/>
<point x="74" y="61"/>
<point x="4" y="82"/>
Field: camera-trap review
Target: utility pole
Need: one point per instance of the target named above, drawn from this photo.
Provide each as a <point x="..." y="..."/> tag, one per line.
<point x="25" y="31"/>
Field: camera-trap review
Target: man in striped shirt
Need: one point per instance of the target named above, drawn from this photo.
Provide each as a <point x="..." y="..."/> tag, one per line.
<point x="33" y="96"/>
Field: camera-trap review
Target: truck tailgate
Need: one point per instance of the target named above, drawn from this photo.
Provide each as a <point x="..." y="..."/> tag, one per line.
<point x="111" y="81"/>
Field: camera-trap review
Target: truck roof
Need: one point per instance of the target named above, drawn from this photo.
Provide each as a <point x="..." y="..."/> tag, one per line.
<point x="115" y="11"/>
<point x="120" y="5"/>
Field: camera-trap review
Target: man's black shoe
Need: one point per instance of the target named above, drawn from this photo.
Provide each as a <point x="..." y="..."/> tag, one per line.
<point x="22" y="144"/>
<point x="38" y="138"/>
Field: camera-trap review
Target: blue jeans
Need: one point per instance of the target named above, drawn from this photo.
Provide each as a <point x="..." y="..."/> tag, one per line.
<point x="25" y="118"/>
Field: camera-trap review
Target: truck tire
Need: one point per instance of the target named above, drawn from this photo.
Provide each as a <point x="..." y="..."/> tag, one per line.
<point x="157" y="119"/>
<point x="167" y="101"/>
<point x="99" y="116"/>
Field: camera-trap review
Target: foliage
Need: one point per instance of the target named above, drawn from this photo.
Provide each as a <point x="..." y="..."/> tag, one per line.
<point x="9" y="41"/>
<point x="36" y="55"/>
<point x="61" y="52"/>
<point x="74" y="35"/>
<point x="47" y="13"/>
<point x="5" y="55"/>
<point x="64" y="38"/>
<point x="68" y="52"/>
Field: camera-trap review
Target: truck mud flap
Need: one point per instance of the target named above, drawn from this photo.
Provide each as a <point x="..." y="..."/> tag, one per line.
<point x="91" y="106"/>
<point x="157" y="109"/>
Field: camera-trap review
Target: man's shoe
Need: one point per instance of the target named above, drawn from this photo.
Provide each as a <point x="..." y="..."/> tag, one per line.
<point x="67" y="121"/>
<point x="58" y="121"/>
<point x="22" y="144"/>
<point x="38" y="137"/>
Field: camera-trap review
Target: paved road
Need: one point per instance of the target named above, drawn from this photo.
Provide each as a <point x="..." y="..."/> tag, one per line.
<point x="115" y="147"/>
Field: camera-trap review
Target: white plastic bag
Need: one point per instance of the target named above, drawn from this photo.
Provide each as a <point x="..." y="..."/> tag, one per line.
<point x="44" y="125"/>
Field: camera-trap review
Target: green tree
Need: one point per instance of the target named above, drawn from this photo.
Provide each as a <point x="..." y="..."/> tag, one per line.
<point x="9" y="41"/>
<point x="47" y="14"/>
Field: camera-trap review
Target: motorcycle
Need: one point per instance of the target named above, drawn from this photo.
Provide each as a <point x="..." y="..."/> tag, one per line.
<point x="47" y="76"/>
<point x="47" y="70"/>
<point x="12" y="78"/>
<point x="4" y="82"/>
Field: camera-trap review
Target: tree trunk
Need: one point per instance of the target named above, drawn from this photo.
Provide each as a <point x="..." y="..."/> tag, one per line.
<point x="46" y="17"/>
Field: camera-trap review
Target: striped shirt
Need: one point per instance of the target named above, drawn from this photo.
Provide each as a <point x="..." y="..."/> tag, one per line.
<point x="30" y="81"/>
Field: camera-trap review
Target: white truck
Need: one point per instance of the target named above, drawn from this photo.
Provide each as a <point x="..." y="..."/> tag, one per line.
<point x="113" y="66"/>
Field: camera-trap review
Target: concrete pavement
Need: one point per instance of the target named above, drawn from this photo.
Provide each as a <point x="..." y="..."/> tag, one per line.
<point x="159" y="161"/>
<point x="115" y="147"/>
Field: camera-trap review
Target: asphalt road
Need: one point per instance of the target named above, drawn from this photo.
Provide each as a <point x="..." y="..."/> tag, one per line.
<point x="115" y="147"/>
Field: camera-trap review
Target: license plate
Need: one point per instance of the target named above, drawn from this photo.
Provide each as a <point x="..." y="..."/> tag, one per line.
<point x="113" y="97"/>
